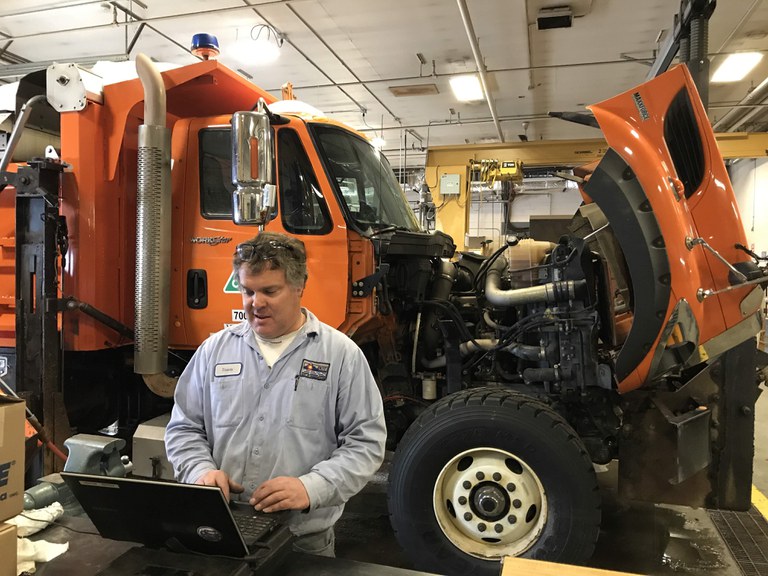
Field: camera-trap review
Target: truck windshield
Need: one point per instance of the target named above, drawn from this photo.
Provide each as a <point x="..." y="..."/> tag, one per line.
<point x="364" y="181"/>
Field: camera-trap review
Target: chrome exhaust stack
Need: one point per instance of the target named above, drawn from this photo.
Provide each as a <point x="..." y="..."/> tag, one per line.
<point x="153" y="230"/>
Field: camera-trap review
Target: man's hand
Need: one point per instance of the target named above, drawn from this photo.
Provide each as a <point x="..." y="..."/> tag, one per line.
<point x="222" y="480"/>
<point x="281" y="493"/>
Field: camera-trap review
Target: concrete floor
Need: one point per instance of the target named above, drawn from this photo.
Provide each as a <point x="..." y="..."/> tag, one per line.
<point x="635" y="537"/>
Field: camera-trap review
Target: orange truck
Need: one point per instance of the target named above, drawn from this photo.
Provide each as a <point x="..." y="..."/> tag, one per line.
<point x="632" y="339"/>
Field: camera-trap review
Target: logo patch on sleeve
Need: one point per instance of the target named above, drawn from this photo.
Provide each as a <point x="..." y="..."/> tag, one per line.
<point x="314" y="370"/>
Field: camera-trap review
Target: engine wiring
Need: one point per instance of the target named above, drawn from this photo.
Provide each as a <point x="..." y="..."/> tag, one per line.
<point x="526" y="324"/>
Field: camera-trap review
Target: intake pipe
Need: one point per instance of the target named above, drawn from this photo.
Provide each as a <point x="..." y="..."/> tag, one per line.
<point x="153" y="232"/>
<point x="524" y="351"/>
<point x="550" y="293"/>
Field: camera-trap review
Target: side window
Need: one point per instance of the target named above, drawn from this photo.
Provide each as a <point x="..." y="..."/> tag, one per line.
<point x="302" y="205"/>
<point x="216" y="173"/>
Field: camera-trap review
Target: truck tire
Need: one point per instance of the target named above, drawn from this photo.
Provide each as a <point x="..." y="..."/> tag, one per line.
<point x="487" y="473"/>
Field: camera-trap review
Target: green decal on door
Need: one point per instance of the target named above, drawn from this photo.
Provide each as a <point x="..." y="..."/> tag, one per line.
<point x="232" y="286"/>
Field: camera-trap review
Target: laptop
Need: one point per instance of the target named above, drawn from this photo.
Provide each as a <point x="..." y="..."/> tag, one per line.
<point x="180" y="517"/>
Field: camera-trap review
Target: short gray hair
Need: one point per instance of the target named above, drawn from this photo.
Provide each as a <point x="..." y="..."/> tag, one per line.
<point x="273" y="251"/>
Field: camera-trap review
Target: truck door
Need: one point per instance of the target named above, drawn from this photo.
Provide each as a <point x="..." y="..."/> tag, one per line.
<point x="309" y="211"/>
<point x="204" y="299"/>
<point x="205" y="292"/>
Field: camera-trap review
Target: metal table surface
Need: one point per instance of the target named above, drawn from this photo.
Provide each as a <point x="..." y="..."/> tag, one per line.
<point x="89" y="553"/>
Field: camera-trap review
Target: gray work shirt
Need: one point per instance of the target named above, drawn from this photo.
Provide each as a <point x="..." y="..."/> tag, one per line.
<point x="316" y="414"/>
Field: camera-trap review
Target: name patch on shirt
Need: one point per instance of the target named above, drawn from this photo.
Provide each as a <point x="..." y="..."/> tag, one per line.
<point x="314" y="370"/>
<point x="230" y="369"/>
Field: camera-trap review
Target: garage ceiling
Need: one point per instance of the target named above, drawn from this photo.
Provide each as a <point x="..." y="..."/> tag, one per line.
<point x="346" y="57"/>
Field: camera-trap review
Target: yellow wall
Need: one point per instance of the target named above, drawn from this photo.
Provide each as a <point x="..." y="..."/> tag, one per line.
<point x="452" y="212"/>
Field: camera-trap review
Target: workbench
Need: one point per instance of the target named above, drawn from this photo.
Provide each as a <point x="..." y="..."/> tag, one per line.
<point x="89" y="553"/>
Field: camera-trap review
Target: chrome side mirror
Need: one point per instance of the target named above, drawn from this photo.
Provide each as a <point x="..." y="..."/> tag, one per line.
<point x="252" y="161"/>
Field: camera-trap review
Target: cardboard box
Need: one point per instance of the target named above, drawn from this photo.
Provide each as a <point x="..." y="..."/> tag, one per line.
<point x="513" y="566"/>
<point x="11" y="457"/>
<point x="7" y="550"/>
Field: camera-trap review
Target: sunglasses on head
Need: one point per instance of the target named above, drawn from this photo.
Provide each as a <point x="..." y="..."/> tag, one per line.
<point x="267" y="250"/>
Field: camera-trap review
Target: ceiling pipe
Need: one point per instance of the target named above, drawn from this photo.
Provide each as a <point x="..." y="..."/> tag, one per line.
<point x="479" y="63"/>
<point x="493" y="71"/>
<point x="744" y="19"/>
<point x="446" y="123"/>
<point x="46" y="7"/>
<point x="529" y="49"/>
<point x="737" y="116"/>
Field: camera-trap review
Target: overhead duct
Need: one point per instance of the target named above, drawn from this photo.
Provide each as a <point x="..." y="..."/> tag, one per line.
<point x="153" y="230"/>
<point x="554" y="17"/>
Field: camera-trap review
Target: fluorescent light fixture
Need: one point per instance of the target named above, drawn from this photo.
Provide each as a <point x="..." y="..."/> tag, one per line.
<point x="467" y="88"/>
<point x="736" y="66"/>
<point x="260" y="47"/>
<point x="255" y="52"/>
<point x="378" y="142"/>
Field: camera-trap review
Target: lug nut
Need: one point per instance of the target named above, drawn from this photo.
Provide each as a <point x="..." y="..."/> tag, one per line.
<point x="467" y="516"/>
<point x="467" y="484"/>
<point x="511" y="519"/>
<point x="516" y="503"/>
<point x="499" y="528"/>
<point x="480" y="476"/>
<point x="462" y="500"/>
<point x="510" y="487"/>
<point x="496" y="476"/>
<point x="481" y="527"/>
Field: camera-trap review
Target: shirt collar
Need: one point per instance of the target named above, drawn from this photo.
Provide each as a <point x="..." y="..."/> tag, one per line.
<point x="310" y="328"/>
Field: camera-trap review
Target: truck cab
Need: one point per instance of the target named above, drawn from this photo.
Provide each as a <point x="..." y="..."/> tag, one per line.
<point x="496" y="372"/>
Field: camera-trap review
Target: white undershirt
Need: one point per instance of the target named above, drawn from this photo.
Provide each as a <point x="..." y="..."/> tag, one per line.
<point x="271" y="348"/>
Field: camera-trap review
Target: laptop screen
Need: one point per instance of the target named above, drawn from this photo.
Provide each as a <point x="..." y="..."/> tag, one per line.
<point x="158" y="513"/>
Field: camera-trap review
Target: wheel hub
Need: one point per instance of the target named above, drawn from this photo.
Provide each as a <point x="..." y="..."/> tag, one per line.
<point x="489" y="503"/>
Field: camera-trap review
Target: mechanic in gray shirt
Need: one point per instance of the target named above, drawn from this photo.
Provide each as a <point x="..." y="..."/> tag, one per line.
<point x="281" y="410"/>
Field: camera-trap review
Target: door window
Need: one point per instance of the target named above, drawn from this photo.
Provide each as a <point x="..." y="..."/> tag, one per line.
<point x="302" y="205"/>
<point x="216" y="173"/>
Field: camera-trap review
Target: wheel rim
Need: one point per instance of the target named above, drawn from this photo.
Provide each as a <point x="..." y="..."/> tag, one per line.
<point x="489" y="503"/>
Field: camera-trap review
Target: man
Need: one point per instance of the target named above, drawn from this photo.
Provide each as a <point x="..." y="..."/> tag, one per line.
<point x="281" y="409"/>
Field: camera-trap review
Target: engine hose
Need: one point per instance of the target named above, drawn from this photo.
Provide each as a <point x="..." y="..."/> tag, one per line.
<point x="440" y="291"/>
<point x="542" y="375"/>
<point x="465" y="348"/>
<point x="493" y="324"/>
<point x="524" y="351"/>
<point x="550" y="293"/>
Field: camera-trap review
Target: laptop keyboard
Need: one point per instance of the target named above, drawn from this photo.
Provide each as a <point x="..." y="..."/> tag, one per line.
<point x="254" y="526"/>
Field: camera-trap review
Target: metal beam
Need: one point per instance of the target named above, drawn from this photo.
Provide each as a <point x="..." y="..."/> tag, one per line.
<point x="578" y="152"/>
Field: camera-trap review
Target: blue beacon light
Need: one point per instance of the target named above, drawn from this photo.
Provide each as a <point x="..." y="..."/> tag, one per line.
<point x="205" y="46"/>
